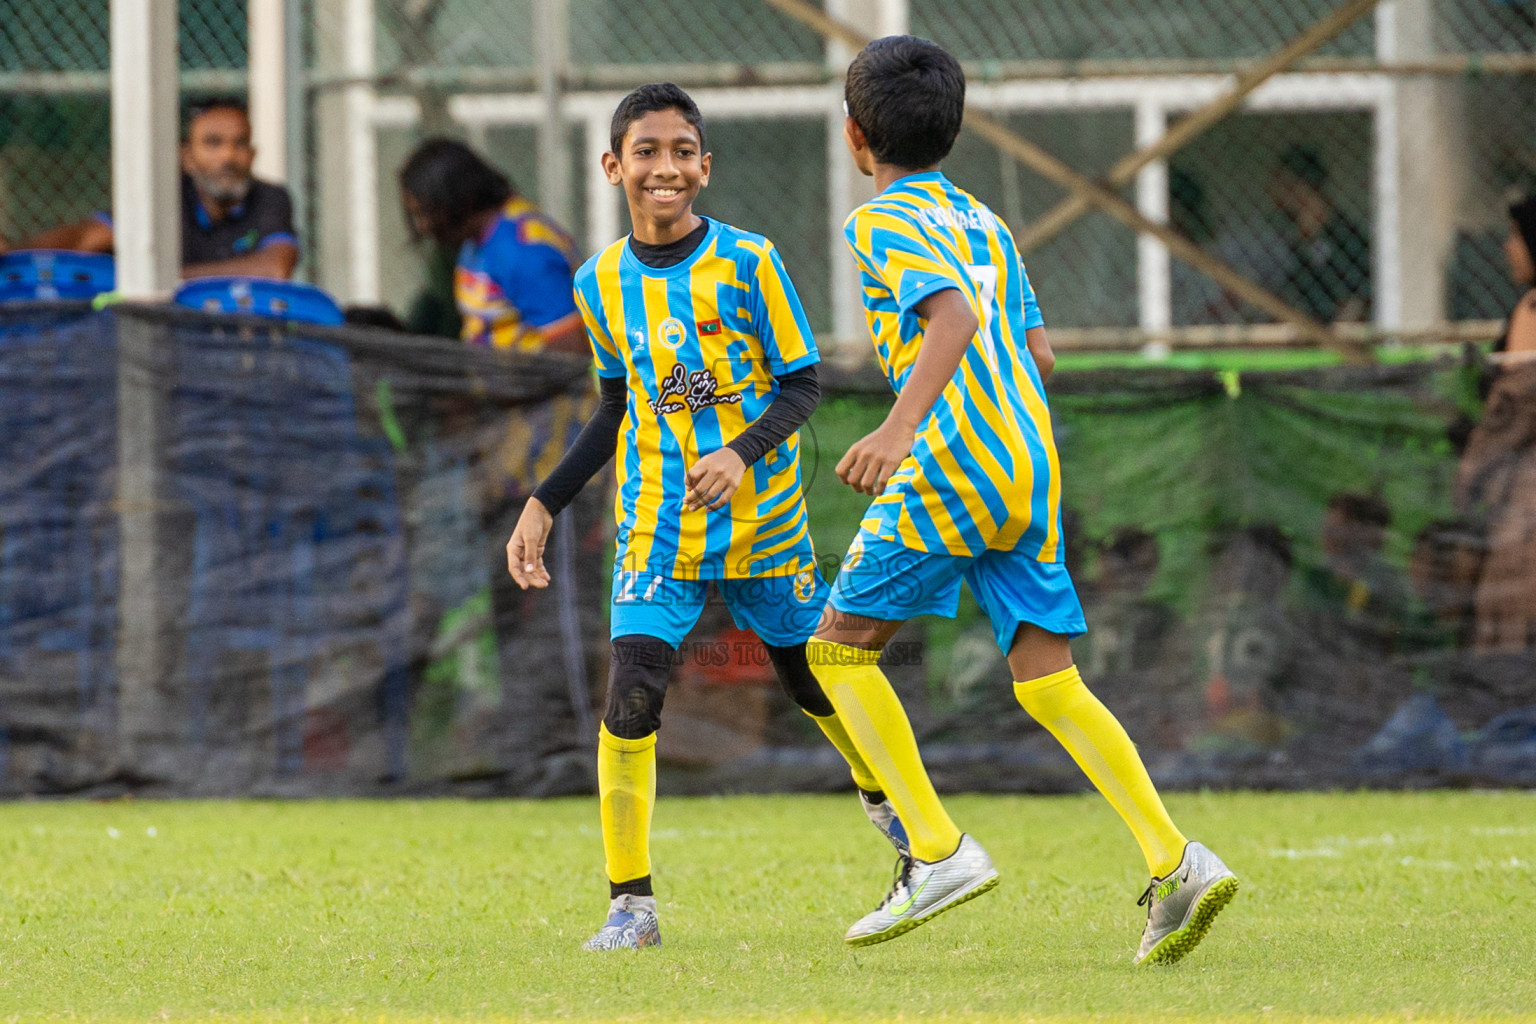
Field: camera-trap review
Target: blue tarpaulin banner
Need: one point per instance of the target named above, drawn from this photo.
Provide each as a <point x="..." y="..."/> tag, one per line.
<point x="323" y="508"/>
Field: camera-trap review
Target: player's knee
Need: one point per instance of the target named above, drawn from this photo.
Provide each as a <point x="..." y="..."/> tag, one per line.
<point x="637" y="684"/>
<point x="1052" y="695"/>
<point x="795" y="675"/>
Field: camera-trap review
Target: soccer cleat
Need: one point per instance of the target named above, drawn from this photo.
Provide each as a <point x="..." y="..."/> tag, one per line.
<point x="924" y="890"/>
<point x="631" y="925"/>
<point x="1182" y="905"/>
<point x="883" y="816"/>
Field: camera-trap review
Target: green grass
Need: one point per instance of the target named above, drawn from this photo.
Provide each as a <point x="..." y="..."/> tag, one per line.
<point x="1354" y="907"/>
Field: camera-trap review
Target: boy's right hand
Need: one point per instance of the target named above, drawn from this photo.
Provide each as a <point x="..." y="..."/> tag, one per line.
<point x="525" y="551"/>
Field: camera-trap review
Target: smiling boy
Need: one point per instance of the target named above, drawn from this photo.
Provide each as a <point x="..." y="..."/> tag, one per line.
<point x="708" y="368"/>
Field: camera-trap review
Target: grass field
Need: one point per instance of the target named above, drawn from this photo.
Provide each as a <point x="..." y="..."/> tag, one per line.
<point x="1354" y="907"/>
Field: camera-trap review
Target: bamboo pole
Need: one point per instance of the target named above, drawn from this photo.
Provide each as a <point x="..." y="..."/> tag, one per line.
<point x="1097" y="195"/>
<point x="1186" y="129"/>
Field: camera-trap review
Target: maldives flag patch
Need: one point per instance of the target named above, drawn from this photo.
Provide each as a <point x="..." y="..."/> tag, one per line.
<point x="709" y="326"/>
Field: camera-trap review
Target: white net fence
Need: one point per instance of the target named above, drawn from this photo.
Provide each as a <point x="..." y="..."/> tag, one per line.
<point x="1407" y="133"/>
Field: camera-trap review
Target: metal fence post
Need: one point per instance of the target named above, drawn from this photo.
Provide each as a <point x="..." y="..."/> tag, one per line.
<point x="146" y="220"/>
<point x="147" y="228"/>
<point x="267" y="87"/>
<point x="1429" y="168"/>
<point x="347" y="186"/>
<point x="551" y="26"/>
<point x="1154" y="270"/>
<point x="846" y="186"/>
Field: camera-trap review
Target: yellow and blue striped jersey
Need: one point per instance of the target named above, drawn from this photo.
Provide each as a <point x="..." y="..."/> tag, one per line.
<point x="983" y="472"/>
<point x="701" y="344"/>
<point x="513" y="284"/>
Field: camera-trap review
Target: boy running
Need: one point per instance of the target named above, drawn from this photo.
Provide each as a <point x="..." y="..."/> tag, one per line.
<point x="966" y="484"/>
<point x="708" y="366"/>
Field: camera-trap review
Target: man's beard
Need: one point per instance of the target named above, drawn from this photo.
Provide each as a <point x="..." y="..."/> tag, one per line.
<point x="220" y="189"/>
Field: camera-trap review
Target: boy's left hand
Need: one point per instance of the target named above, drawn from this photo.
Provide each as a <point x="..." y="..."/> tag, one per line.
<point x="868" y="465"/>
<point x="714" y="479"/>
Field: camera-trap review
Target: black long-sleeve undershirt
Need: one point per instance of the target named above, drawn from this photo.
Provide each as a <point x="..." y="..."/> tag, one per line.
<point x="799" y="392"/>
<point x="592" y="449"/>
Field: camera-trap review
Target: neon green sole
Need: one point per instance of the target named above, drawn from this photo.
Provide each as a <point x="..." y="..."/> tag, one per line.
<point x="1181" y="943"/>
<point x="902" y="927"/>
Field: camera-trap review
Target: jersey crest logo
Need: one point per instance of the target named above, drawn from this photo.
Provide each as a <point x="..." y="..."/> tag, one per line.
<point x="805" y="584"/>
<point x="671" y="333"/>
<point x="697" y="391"/>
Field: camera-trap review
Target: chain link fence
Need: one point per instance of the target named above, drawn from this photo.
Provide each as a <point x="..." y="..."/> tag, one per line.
<point x="1103" y="30"/>
<point x="1367" y="182"/>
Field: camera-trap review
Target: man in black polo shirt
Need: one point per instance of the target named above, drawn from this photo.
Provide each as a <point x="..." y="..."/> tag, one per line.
<point x="230" y="222"/>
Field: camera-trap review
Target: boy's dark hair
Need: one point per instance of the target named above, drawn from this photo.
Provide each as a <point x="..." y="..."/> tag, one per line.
<point x="195" y="109"/>
<point x="452" y="183"/>
<point x="647" y="100"/>
<point x="908" y="96"/>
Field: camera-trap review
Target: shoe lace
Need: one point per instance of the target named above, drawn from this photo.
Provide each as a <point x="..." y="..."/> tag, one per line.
<point x="900" y="879"/>
<point x="1148" y="897"/>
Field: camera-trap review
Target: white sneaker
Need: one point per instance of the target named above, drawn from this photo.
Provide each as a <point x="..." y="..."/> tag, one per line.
<point x="924" y="890"/>
<point x="631" y="924"/>
<point x="1182" y="905"/>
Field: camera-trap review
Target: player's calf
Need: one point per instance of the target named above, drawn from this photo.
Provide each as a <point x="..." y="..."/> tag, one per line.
<point x="800" y="683"/>
<point x="626" y="783"/>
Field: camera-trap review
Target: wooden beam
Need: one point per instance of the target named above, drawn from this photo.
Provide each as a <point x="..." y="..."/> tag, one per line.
<point x="818" y="20"/>
<point x="1187" y="128"/>
<point x="1096" y="194"/>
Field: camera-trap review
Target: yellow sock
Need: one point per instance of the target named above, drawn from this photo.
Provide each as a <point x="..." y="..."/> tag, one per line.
<point x="881" y="735"/>
<point x="1099" y="745"/>
<point x="626" y="789"/>
<point x="833" y="727"/>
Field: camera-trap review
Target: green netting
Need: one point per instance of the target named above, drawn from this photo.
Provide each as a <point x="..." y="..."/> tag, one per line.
<point x="1268" y="561"/>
